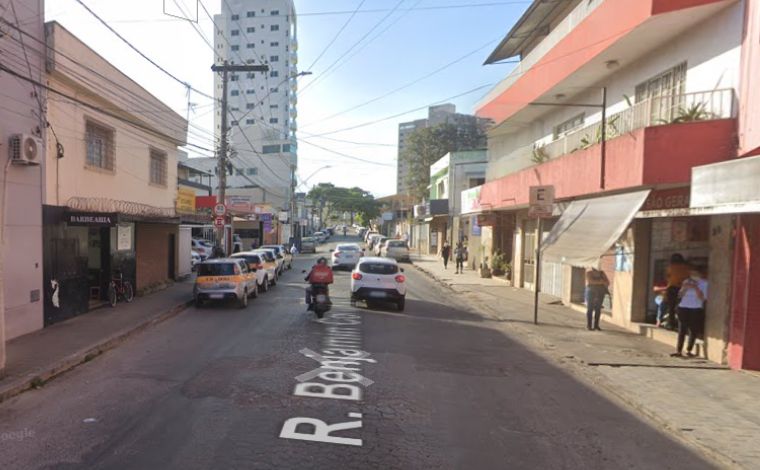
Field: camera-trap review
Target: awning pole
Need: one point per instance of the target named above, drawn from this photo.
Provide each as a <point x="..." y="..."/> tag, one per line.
<point x="537" y="277"/>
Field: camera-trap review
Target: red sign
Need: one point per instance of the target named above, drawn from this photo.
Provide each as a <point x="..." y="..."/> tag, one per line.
<point x="219" y="222"/>
<point x="663" y="199"/>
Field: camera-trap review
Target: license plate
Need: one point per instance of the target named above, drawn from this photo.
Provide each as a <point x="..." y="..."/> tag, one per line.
<point x="216" y="296"/>
<point x="321" y="298"/>
<point x="377" y="294"/>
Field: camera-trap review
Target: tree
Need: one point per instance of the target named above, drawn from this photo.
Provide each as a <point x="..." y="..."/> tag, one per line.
<point x="332" y="200"/>
<point x="427" y="145"/>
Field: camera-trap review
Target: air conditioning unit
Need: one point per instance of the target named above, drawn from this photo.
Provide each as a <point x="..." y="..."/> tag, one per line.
<point x="25" y="149"/>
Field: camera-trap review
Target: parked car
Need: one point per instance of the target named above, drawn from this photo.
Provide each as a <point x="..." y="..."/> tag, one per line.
<point x="378" y="245"/>
<point x="367" y="234"/>
<point x="346" y="255"/>
<point x="224" y="279"/>
<point x="279" y="254"/>
<point x="396" y="249"/>
<point x="378" y="280"/>
<point x="256" y="265"/>
<point x="308" y="245"/>
<point x="195" y="259"/>
<point x="320" y="236"/>
<point x="271" y="264"/>
<point x="202" y="248"/>
<point x="287" y="255"/>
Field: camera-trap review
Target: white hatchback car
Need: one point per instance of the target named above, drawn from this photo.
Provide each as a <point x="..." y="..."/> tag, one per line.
<point x="346" y="255"/>
<point x="380" y="280"/>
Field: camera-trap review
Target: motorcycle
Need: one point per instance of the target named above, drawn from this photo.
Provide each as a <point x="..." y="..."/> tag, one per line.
<point x="320" y="299"/>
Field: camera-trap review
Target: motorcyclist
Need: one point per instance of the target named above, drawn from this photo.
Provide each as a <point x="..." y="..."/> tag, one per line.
<point x="321" y="266"/>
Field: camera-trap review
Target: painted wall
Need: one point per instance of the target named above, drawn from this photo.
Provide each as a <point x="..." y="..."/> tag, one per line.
<point x="711" y="50"/>
<point x="21" y="188"/>
<point x="749" y="106"/>
<point x="744" y="347"/>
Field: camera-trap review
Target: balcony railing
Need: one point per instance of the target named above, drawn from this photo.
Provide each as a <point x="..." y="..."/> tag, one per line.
<point x="656" y="111"/>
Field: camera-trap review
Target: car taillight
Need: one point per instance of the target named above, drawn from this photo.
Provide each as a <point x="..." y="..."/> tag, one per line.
<point x="400" y="278"/>
<point x="356" y="276"/>
<point x="336" y="254"/>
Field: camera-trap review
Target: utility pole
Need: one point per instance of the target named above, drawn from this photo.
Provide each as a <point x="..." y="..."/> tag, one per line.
<point x="222" y="165"/>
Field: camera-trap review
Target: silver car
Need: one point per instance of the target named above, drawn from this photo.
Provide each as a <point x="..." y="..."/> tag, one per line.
<point x="346" y="255"/>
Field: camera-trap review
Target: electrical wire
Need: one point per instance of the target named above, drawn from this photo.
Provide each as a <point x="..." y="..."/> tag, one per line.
<point x="337" y="35"/>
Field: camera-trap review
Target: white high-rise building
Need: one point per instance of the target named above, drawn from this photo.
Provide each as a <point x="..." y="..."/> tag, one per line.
<point x="262" y="106"/>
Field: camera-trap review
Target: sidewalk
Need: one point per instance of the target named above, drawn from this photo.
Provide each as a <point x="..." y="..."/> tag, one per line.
<point x="700" y="402"/>
<point x="40" y="356"/>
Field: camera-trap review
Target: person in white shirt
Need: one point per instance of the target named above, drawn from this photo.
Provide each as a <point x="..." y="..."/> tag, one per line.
<point x="691" y="311"/>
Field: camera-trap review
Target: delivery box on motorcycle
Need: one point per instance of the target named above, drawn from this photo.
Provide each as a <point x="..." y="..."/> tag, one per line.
<point x="321" y="274"/>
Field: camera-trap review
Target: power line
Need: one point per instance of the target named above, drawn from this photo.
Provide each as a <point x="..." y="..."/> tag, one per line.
<point x="131" y="46"/>
<point x="335" y="38"/>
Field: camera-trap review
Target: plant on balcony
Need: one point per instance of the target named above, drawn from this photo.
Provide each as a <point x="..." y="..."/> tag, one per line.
<point x="693" y="113"/>
<point x="539" y="154"/>
<point x="612" y="132"/>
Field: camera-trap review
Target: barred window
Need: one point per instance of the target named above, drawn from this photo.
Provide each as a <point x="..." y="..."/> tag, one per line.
<point x="99" y="146"/>
<point x="158" y="167"/>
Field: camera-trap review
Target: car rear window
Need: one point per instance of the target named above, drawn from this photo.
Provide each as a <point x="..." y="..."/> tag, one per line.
<point x="276" y="249"/>
<point x="348" y="248"/>
<point x="378" y="268"/>
<point x="216" y="269"/>
<point x="267" y="256"/>
<point x="250" y="259"/>
<point x="397" y="244"/>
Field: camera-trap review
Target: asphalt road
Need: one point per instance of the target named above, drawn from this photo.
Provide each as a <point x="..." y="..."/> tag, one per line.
<point x="214" y="388"/>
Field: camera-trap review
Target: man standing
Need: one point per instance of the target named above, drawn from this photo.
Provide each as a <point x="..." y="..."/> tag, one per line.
<point x="445" y="254"/>
<point x="691" y="311"/>
<point x="459" y="255"/>
<point x="597" y="287"/>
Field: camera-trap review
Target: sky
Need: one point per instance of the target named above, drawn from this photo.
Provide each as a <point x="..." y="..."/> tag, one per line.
<point x="382" y="50"/>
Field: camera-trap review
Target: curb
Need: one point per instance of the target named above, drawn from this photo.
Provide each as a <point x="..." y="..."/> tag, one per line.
<point x="600" y="380"/>
<point x="39" y="378"/>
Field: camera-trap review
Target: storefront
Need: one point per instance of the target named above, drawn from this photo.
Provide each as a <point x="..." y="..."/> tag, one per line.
<point x="81" y="251"/>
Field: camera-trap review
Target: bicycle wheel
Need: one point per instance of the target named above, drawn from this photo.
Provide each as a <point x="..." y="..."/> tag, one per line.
<point x="112" y="294"/>
<point x="129" y="293"/>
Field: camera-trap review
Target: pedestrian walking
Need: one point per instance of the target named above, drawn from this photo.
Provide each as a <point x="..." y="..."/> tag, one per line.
<point x="459" y="254"/>
<point x="294" y="250"/>
<point x="445" y="254"/>
<point x="691" y="311"/>
<point x="597" y="287"/>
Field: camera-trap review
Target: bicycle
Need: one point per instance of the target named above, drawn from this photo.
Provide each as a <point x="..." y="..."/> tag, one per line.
<point x="119" y="288"/>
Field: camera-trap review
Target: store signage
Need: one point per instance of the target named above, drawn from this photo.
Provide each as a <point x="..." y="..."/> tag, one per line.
<point x="239" y="203"/>
<point x="541" y="201"/>
<point x="676" y="198"/>
<point x="387" y="216"/>
<point x="91" y="219"/>
<point x="124" y="237"/>
<point x="421" y="210"/>
<point x="185" y="201"/>
<point x="283" y="217"/>
<point x="471" y="200"/>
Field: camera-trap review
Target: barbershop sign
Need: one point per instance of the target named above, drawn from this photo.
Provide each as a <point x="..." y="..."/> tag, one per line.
<point x="91" y="219"/>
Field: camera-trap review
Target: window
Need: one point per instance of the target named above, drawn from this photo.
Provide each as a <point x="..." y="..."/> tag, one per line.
<point x="252" y="171"/>
<point x="250" y="29"/>
<point x="235" y="17"/>
<point x="233" y="78"/>
<point x="273" y="121"/>
<point x="249" y="106"/>
<point x="250" y="121"/>
<point x="250" y="92"/>
<point x="274" y="58"/>
<point x="270" y="149"/>
<point x="274" y="73"/>
<point x="234" y="108"/>
<point x="274" y="90"/>
<point x="235" y="48"/>
<point x="274" y="106"/>
<point x="274" y="27"/>
<point x="234" y="92"/>
<point x="235" y="32"/>
<point x="238" y="172"/>
<point x="275" y="12"/>
<point x="158" y="167"/>
<point x="216" y="269"/>
<point x="378" y="268"/>
<point x="99" y="146"/>
<point x="250" y="14"/>
<point x="666" y="91"/>
<point x="234" y="123"/>
<point x="250" y="45"/>
<point x="274" y="44"/>
<point x="476" y="182"/>
<point x="568" y="126"/>
<point x="250" y="75"/>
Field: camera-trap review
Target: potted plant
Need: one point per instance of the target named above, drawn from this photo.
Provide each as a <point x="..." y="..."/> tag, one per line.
<point x="498" y="264"/>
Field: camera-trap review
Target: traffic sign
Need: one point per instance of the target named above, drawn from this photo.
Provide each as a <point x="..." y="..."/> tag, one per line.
<point x="220" y="210"/>
<point x="541" y="201"/>
<point x="219" y="222"/>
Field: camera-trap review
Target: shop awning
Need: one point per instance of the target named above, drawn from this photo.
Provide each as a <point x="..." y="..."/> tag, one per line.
<point x="588" y="228"/>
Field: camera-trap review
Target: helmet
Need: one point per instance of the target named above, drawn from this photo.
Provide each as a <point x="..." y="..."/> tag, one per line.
<point x="322" y="260"/>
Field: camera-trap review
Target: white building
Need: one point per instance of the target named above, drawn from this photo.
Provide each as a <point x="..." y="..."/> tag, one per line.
<point x="262" y="106"/>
